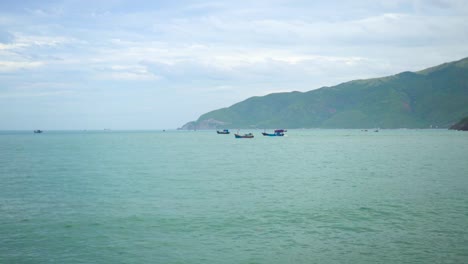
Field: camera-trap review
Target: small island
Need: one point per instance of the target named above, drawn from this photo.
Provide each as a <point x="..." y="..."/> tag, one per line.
<point x="461" y="125"/>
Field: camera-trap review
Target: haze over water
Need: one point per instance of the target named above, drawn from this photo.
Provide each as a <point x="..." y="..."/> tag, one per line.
<point x="314" y="196"/>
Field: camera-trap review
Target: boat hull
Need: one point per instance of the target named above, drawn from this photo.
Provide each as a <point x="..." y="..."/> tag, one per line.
<point x="273" y="135"/>
<point x="243" y="136"/>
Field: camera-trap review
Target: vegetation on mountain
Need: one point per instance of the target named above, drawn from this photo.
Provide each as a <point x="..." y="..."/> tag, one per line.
<point x="434" y="97"/>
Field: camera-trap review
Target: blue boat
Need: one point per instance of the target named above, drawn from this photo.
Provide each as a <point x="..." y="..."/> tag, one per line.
<point x="277" y="133"/>
<point x="225" y="132"/>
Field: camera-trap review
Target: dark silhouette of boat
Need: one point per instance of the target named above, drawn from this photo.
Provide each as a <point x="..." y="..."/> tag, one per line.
<point x="249" y="135"/>
<point x="277" y="133"/>
<point x="225" y="132"/>
<point x="38" y="131"/>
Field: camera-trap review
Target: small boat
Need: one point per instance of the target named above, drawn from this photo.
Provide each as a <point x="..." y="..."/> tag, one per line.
<point x="38" y="131"/>
<point x="273" y="135"/>
<point x="249" y="135"/>
<point x="278" y="133"/>
<point x="225" y="131"/>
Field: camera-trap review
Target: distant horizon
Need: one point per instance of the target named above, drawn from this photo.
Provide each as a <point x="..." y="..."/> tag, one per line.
<point x="211" y="130"/>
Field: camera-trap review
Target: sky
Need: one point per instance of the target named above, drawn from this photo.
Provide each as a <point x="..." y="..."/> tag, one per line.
<point x="75" y="64"/>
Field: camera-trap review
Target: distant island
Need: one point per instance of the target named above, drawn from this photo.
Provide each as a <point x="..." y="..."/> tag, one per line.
<point x="462" y="125"/>
<point x="434" y="97"/>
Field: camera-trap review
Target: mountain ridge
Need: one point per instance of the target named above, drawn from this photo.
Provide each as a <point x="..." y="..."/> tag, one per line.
<point x="436" y="96"/>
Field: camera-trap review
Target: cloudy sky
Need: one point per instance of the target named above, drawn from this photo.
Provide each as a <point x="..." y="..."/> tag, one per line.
<point x="158" y="64"/>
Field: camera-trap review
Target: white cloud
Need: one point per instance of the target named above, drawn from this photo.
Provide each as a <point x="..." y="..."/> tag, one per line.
<point x="34" y="40"/>
<point x="11" y="66"/>
<point x="34" y="94"/>
<point x="127" y="76"/>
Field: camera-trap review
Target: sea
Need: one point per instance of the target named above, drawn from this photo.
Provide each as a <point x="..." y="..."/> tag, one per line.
<point x="312" y="196"/>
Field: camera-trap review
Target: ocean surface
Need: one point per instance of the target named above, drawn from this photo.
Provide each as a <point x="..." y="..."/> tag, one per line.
<point x="313" y="196"/>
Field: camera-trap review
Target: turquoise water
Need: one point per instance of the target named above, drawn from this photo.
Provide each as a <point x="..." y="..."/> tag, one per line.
<point x="314" y="196"/>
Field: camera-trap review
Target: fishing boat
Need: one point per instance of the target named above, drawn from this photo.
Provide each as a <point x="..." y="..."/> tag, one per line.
<point x="249" y="135"/>
<point x="273" y="134"/>
<point x="277" y="133"/>
<point x="225" y="131"/>
<point x="38" y="131"/>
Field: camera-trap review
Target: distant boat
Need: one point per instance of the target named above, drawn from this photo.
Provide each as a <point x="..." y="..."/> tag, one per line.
<point x="225" y="131"/>
<point x="38" y="131"/>
<point x="249" y="135"/>
<point x="277" y="133"/>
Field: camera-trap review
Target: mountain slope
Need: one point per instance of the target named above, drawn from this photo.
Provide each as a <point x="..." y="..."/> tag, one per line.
<point x="437" y="96"/>
<point x="461" y="125"/>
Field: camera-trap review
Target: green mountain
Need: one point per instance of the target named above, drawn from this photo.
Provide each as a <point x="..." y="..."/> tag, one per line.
<point x="436" y="97"/>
